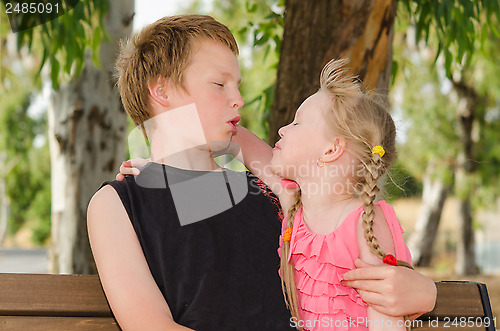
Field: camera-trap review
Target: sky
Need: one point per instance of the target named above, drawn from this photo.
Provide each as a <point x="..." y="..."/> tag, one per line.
<point x="148" y="11"/>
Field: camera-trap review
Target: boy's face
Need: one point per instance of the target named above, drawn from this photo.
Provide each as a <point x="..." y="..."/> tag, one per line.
<point x="212" y="82"/>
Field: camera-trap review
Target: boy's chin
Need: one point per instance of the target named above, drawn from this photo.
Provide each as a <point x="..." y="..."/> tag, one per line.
<point x="219" y="146"/>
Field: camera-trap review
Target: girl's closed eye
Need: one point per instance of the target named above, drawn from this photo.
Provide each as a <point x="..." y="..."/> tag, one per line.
<point x="219" y="84"/>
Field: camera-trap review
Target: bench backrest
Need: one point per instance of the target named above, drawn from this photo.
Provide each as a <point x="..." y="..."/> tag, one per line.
<point x="77" y="302"/>
<point x="459" y="305"/>
<point x="54" y="303"/>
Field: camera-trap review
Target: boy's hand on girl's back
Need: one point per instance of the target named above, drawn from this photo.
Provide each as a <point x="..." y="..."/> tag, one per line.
<point x="131" y="167"/>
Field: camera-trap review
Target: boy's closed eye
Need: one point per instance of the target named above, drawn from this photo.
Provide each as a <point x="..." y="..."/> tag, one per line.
<point x="219" y="84"/>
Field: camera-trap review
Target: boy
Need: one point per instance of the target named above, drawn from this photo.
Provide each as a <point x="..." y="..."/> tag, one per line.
<point x="165" y="267"/>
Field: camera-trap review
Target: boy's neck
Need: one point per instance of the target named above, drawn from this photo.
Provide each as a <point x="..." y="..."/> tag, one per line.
<point x="196" y="158"/>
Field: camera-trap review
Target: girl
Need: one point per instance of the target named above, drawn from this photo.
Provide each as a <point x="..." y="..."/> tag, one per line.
<point x="331" y="158"/>
<point x="342" y="141"/>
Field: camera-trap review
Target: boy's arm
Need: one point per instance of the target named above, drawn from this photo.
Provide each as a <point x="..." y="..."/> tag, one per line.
<point x="393" y="291"/>
<point x="133" y="295"/>
<point x="256" y="155"/>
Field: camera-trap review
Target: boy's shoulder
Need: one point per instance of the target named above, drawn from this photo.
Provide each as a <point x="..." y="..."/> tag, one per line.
<point x="257" y="183"/>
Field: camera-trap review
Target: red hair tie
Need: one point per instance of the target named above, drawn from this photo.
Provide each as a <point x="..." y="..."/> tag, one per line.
<point x="390" y="260"/>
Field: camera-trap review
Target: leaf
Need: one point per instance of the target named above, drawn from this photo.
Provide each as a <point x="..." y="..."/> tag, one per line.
<point x="448" y="60"/>
<point x="394" y="71"/>
<point x="70" y="56"/>
<point x="54" y="72"/>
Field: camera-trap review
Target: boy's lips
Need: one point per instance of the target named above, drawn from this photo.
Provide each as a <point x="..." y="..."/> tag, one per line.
<point x="234" y="121"/>
<point x="277" y="146"/>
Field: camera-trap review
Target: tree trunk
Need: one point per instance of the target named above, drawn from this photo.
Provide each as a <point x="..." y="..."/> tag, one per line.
<point x="318" y="31"/>
<point x="467" y="109"/>
<point x="421" y="242"/>
<point x="87" y="134"/>
<point x="4" y="199"/>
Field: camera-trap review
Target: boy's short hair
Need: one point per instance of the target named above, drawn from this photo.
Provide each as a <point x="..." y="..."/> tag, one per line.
<point x="162" y="49"/>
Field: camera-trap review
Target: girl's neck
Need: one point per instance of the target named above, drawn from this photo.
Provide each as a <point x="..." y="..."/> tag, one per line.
<point x="326" y="201"/>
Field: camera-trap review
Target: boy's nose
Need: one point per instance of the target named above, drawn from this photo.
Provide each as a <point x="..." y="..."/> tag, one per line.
<point x="238" y="101"/>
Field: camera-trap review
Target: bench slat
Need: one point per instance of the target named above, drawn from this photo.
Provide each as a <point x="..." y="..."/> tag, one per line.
<point x="33" y="323"/>
<point x="441" y="325"/>
<point x="457" y="299"/>
<point x="52" y="295"/>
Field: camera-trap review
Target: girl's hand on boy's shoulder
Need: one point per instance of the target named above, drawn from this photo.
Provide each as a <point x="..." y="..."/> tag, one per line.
<point x="131" y="167"/>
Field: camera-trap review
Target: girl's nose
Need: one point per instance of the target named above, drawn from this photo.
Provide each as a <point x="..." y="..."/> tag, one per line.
<point x="281" y="131"/>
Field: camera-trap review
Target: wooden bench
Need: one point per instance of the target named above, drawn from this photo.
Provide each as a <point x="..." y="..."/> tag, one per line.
<point x="54" y="303"/>
<point x="459" y="306"/>
<point x="75" y="302"/>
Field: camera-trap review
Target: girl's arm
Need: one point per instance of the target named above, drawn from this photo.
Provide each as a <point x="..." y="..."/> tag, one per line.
<point x="250" y="150"/>
<point x="378" y="321"/>
<point x="133" y="295"/>
<point x="256" y="155"/>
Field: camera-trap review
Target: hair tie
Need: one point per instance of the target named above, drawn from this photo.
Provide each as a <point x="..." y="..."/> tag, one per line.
<point x="287" y="235"/>
<point x="378" y="150"/>
<point x="390" y="260"/>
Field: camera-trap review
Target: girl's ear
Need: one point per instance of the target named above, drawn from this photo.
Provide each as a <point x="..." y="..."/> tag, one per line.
<point x="158" y="92"/>
<point x="334" y="151"/>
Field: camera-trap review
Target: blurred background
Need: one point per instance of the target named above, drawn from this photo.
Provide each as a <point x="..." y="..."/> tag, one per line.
<point x="63" y="130"/>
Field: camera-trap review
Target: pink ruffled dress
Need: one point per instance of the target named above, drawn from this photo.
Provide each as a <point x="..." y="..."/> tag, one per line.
<point x="320" y="262"/>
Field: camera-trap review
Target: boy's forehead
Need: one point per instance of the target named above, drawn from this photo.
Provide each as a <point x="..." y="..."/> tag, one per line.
<point x="212" y="56"/>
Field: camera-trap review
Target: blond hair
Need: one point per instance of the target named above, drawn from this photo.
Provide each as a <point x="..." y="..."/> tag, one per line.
<point x="364" y="122"/>
<point x="162" y="50"/>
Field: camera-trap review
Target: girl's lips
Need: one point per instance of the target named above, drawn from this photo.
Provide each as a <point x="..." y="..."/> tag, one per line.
<point x="277" y="146"/>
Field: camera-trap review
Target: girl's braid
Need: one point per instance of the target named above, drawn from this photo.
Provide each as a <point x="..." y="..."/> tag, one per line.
<point x="287" y="271"/>
<point x="375" y="168"/>
<point x="370" y="191"/>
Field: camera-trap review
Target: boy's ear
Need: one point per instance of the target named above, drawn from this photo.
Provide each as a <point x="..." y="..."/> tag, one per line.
<point x="158" y="93"/>
<point x="334" y="151"/>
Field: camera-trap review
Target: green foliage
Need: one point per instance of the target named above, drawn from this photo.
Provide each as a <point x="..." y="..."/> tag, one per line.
<point x="401" y="184"/>
<point x="64" y="41"/>
<point x="27" y="166"/>
<point x="429" y="105"/>
<point x="258" y="28"/>
<point x="454" y="27"/>
<point x="265" y="30"/>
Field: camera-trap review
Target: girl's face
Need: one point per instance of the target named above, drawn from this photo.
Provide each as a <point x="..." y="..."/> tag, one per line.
<point x="304" y="140"/>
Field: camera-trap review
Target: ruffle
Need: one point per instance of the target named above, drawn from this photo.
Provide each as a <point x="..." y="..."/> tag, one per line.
<point x="320" y="262"/>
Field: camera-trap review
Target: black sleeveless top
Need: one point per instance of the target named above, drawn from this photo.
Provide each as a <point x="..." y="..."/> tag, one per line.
<point x="210" y="241"/>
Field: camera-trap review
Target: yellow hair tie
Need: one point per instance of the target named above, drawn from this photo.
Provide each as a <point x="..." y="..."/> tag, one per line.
<point x="287" y="235"/>
<point x="378" y="150"/>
